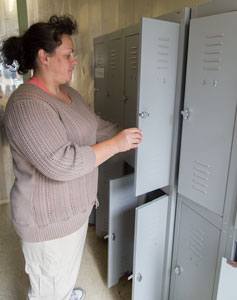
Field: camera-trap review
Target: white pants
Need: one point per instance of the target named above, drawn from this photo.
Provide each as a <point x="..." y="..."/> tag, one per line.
<point x="53" y="265"/>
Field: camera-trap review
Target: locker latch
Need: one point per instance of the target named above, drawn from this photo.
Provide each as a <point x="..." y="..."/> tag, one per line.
<point x="177" y="270"/>
<point x="144" y="114"/>
<point x="185" y="113"/>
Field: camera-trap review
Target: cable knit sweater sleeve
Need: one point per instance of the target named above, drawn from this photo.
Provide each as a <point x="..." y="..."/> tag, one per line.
<point x="36" y="131"/>
<point x="105" y="130"/>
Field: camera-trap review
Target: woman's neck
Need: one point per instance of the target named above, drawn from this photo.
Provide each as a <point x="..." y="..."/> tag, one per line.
<point x="53" y="87"/>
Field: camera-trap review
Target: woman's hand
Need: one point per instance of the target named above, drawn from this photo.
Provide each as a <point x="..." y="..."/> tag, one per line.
<point x="125" y="140"/>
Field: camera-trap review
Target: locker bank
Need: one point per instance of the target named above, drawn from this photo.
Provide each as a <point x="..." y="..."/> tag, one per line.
<point x="168" y="209"/>
<point x="173" y="77"/>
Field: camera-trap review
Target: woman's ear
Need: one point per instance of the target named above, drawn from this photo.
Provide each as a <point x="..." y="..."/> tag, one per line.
<point x="43" y="57"/>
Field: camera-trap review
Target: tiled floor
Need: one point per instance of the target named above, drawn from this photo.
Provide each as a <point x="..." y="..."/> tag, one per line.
<point x="92" y="276"/>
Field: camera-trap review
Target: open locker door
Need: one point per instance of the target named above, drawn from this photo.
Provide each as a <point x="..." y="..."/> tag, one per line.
<point x="149" y="249"/>
<point x="156" y="97"/>
<point x="122" y="204"/>
<point x="111" y="169"/>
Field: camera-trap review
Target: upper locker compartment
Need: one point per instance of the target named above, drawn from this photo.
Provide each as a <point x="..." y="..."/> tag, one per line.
<point x="156" y="97"/>
<point x="209" y="110"/>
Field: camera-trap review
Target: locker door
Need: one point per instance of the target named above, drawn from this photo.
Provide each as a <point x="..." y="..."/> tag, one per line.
<point x="195" y="265"/>
<point x="209" y="110"/>
<point x="100" y="78"/>
<point x="149" y="249"/>
<point x="111" y="169"/>
<point x="156" y="96"/>
<point x="115" y="90"/>
<point x="121" y="228"/>
<point x="130" y="87"/>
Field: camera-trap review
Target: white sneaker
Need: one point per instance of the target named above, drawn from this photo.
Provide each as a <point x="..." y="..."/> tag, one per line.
<point x="77" y="294"/>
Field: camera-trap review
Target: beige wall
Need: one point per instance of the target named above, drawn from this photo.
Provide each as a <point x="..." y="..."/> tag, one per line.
<point x="98" y="17"/>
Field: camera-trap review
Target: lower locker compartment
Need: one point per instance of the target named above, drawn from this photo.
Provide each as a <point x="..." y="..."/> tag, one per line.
<point x="195" y="256"/>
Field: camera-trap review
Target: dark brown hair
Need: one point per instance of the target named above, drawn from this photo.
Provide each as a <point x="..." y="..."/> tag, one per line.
<point x="23" y="50"/>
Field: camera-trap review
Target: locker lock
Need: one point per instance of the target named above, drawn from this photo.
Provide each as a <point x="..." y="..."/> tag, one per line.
<point x="185" y="113"/>
<point x="144" y="114"/>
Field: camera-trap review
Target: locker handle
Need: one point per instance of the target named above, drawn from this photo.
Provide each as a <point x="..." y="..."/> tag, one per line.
<point x="185" y="113"/>
<point x="130" y="277"/>
<point x="112" y="236"/>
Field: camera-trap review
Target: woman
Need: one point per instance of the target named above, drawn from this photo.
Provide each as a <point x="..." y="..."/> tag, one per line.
<point x="53" y="136"/>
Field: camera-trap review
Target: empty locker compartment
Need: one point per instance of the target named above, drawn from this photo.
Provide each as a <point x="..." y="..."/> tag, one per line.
<point x="131" y="41"/>
<point x="126" y="254"/>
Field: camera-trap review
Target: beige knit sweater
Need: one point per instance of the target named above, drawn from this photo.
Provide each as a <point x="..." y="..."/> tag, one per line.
<point x="55" y="180"/>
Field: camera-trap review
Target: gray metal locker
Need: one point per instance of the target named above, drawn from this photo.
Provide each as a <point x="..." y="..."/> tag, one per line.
<point x="169" y="44"/>
<point x="209" y="110"/>
<point x="208" y="166"/>
<point x="122" y="204"/>
<point x="156" y="98"/>
<point x="149" y="249"/>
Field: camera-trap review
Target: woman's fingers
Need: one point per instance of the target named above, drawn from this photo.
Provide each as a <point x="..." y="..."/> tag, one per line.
<point x="128" y="139"/>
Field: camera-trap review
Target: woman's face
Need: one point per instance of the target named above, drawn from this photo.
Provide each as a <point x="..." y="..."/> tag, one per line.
<point x="62" y="62"/>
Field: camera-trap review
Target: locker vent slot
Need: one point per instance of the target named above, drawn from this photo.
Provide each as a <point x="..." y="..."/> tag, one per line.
<point x="163" y="53"/>
<point x="133" y="58"/>
<point x="100" y="61"/>
<point x="196" y="244"/>
<point x="201" y="172"/>
<point x="113" y="59"/>
<point x="213" y="52"/>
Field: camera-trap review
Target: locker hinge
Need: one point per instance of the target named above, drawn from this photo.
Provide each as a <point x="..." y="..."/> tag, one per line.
<point x="185" y="113"/>
<point x="125" y="99"/>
